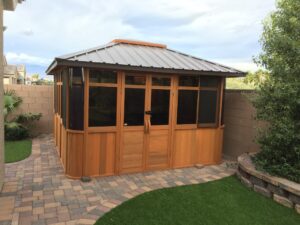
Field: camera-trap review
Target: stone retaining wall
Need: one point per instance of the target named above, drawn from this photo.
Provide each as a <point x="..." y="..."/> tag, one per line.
<point x="283" y="191"/>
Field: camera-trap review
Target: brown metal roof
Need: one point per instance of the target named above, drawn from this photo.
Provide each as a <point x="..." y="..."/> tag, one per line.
<point x="129" y="54"/>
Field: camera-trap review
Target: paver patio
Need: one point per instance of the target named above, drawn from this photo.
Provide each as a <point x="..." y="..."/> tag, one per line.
<point x="36" y="191"/>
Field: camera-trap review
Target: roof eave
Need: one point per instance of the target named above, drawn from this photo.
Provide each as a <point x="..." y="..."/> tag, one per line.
<point x="63" y="62"/>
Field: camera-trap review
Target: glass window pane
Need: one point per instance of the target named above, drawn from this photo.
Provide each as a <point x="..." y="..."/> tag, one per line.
<point x="76" y="99"/>
<point x="189" y="81"/>
<point x="135" y="79"/>
<point x="161" y="81"/>
<point x="102" y="106"/>
<point x="207" y="107"/>
<point x="187" y="107"/>
<point x="160" y="100"/>
<point x="101" y="76"/>
<point x="134" y="107"/>
<point x="209" y="81"/>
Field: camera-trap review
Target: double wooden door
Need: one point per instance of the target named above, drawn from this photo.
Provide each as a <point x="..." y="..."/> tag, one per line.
<point x="146" y="115"/>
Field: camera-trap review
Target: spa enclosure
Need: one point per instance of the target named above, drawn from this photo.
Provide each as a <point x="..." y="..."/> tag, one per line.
<point x="132" y="106"/>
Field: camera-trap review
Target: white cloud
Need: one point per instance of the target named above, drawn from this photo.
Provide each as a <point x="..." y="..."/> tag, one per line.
<point x="212" y="29"/>
<point x="22" y="58"/>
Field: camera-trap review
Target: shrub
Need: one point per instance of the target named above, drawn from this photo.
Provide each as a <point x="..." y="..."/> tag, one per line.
<point x="278" y="99"/>
<point x="18" y="127"/>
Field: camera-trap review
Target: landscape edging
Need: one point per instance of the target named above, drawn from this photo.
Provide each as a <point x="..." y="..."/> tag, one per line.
<point x="283" y="191"/>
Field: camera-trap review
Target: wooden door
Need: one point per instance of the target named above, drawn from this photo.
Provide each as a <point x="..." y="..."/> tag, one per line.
<point x="133" y="140"/>
<point x="146" y="128"/>
<point x="159" y="122"/>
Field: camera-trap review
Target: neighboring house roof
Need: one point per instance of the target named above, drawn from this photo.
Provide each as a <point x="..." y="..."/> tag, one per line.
<point x="142" y="56"/>
<point x="10" y="70"/>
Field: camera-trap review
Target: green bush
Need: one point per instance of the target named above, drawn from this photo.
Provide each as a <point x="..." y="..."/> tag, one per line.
<point x="278" y="99"/>
<point x="16" y="128"/>
<point x="15" y="131"/>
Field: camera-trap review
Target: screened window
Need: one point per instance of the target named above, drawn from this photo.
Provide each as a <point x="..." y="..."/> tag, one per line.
<point x="64" y="97"/>
<point x="187" y="106"/>
<point x="198" y="100"/>
<point x="188" y="81"/>
<point x="102" y="106"/>
<point x="134" y="107"/>
<point x="210" y="82"/>
<point x="208" y="107"/>
<point x="135" y="79"/>
<point x="209" y="101"/>
<point x="76" y="98"/>
<point x="161" y="81"/>
<point x="101" y="76"/>
<point x="160" y="100"/>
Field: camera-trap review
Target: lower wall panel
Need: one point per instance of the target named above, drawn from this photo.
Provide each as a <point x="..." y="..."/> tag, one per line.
<point x="100" y="154"/>
<point x="190" y="147"/>
<point x="209" y="146"/>
<point x="74" y="154"/>
<point x="63" y="149"/>
<point x="198" y="146"/>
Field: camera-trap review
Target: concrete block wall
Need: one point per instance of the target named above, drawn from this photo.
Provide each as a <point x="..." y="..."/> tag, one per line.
<point x="240" y="126"/>
<point x="36" y="99"/>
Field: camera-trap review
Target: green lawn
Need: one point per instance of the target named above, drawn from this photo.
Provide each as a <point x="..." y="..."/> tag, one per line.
<point x="223" y="202"/>
<point x="17" y="150"/>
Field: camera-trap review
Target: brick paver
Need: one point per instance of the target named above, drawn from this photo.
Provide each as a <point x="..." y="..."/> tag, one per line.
<point x="36" y="191"/>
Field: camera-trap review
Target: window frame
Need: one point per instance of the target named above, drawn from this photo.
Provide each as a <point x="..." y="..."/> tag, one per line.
<point x="219" y="89"/>
<point x="116" y="85"/>
<point x="187" y="88"/>
<point x="70" y="87"/>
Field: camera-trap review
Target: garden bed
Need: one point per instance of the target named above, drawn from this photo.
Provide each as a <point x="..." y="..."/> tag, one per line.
<point x="281" y="190"/>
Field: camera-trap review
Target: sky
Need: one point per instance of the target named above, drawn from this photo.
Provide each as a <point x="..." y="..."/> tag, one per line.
<point x="224" y="31"/>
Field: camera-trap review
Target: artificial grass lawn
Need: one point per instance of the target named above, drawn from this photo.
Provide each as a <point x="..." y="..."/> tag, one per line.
<point x="222" y="202"/>
<point x="17" y="150"/>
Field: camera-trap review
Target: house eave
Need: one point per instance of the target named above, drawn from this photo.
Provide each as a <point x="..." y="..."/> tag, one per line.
<point x="62" y="62"/>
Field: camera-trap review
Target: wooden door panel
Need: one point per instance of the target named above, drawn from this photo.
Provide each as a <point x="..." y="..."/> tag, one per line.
<point x="132" y="154"/>
<point x="157" y="155"/>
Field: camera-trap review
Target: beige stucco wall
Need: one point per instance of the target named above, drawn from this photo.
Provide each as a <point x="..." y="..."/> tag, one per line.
<point x="36" y="99"/>
<point x="240" y="126"/>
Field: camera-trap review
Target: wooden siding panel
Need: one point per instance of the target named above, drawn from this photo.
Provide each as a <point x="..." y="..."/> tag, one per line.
<point x="100" y="154"/>
<point x="74" y="154"/>
<point x="92" y="155"/>
<point x="208" y="146"/>
<point x="184" y="148"/>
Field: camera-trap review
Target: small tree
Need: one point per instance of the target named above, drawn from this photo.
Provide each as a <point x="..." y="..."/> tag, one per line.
<point x="278" y="100"/>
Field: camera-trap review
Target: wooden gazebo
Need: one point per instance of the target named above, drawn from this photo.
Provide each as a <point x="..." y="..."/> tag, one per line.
<point x="132" y="106"/>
